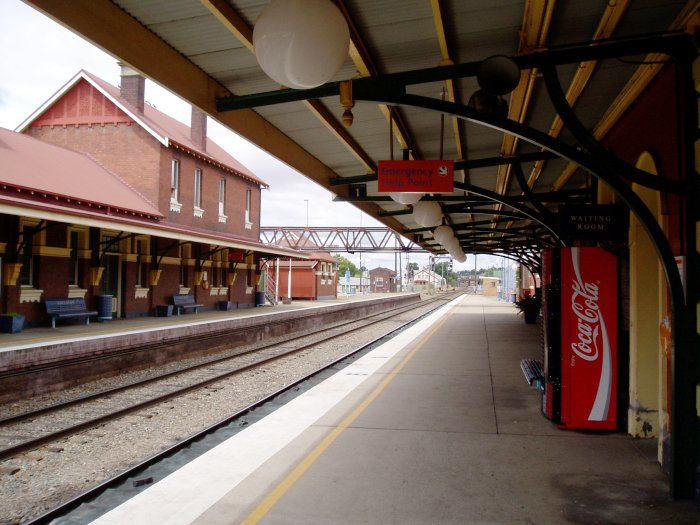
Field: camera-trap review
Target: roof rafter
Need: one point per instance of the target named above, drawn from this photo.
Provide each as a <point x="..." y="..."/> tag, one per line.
<point x="360" y="56"/>
<point x="537" y="18"/>
<point x="244" y="33"/>
<point x="687" y="19"/>
<point x="96" y="21"/>
<point x="606" y="27"/>
<point x="451" y="84"/>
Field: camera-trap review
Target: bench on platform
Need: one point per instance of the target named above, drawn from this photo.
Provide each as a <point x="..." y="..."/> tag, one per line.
<point x="184" y="302"/>
<point x="532" y="368"/>
<point x="64" y="308"/>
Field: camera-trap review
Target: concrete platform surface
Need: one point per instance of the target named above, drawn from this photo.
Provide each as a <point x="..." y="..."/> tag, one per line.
<point x="437" y="426"/>
<point x="67" y="330"/>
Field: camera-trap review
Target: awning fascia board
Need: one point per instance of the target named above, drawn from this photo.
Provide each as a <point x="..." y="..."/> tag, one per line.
<point x="140" y="229"/>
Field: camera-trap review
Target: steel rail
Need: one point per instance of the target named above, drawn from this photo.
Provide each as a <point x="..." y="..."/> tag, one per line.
<point x="90" y="494"/>
<point x="109" y="416"/>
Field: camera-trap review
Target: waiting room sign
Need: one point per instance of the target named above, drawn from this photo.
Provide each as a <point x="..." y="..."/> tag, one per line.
<point x="416" y="176"/>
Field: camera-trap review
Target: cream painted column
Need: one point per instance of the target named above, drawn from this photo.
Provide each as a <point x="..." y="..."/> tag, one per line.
<point x="645" y="320"/>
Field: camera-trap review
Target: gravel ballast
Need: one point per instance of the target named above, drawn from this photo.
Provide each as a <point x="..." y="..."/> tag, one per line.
<point x="41" y="479"/>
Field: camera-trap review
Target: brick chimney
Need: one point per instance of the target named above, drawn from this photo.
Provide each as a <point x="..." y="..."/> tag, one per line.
<point x="198" y="128"/>
<point x="133" y="87"/>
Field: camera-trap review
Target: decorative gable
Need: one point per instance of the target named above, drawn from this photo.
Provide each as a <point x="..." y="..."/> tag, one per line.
<point x="82" y="104"/>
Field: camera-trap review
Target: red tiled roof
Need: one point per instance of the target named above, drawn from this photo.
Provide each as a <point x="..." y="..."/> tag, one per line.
<point x="284" y="264"/>
<point x="35" y="175"/>
<point x="54" y="173"/>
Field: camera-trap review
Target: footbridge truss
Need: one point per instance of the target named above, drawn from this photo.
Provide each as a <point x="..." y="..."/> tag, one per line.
<point x="338" y="239"/>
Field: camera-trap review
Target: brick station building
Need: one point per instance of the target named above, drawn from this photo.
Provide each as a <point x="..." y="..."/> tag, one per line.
<point x="103" y="195"/>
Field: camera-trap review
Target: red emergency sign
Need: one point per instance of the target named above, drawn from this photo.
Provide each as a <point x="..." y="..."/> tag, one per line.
<point x="416" y="176"/>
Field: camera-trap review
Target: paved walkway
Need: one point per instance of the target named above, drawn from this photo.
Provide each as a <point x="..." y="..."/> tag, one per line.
<point x="70" y="329"/>
<point x="437" y="426"/>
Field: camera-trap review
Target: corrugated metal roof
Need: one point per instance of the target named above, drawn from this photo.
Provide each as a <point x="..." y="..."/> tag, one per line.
<point x="394" y="36"/>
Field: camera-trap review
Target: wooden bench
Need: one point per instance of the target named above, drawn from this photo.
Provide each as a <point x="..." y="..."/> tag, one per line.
<point x="532" y="368"/>
<point x="184" y="302"/>
<point x="64" y="308"/>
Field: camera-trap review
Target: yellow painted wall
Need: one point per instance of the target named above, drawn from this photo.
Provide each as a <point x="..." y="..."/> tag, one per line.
<point x="644" y="418"/>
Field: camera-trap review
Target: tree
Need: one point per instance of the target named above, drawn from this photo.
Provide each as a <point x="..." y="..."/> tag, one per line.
<point x="491" y="271"/>
<point x="345" y="263"/>
<point x="411" y="269"/>
<point x="443" y="269"/>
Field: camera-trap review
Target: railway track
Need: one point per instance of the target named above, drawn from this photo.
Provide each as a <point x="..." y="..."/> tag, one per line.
<point x="42" y="426"/>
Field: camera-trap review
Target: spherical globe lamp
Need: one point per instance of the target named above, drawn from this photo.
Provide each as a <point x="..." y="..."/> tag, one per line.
<point x="406" y="198"/>
<point x="452" y="246"/>
<point x="443" y="233"/>
<point x="301" y="44"/>
<point x="427" y="213"/>
<point x="498" y="75"/>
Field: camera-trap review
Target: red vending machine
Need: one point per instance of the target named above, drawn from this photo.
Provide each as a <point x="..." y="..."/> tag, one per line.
<point x="551" y="316"/>
<point x="581" y="345"/>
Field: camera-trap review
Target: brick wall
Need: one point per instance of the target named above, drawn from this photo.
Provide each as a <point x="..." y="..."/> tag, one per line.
<point x="211" y="175"/>
<point x="124" y="149"/>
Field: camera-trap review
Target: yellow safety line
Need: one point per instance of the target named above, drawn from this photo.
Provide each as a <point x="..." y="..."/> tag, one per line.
<point x="286" y="484"/>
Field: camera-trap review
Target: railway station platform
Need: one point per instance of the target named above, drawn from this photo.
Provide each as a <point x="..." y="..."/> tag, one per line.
<point x="75" y="330"/>
<point x="44" y="359"/>
<point x="436" y="426"/>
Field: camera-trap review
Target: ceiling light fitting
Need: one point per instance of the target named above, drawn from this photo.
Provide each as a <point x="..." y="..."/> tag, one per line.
<point x="427" y="213"/>
<point x="443" y="233"/>
<point x="301" y="44"/>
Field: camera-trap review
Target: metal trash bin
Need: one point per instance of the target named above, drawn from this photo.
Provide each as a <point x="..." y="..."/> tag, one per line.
<point x="104" y="307"/>
<point x="259" y="298"/>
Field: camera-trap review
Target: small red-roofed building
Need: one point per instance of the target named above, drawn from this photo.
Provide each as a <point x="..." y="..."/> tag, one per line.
<point x="315" y="278"/>
<point x="382" y="280"/>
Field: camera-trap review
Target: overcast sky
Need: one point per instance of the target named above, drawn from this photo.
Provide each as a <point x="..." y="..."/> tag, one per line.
<point x="38" y="56"/>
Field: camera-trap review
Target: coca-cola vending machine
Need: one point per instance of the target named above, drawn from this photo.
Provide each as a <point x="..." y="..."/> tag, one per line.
<point x="580" y="310"/>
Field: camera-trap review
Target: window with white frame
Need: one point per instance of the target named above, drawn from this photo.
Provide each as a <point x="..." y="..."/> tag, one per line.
<point x="175" y="180"/>
<point x="198" y="211"/>
<point x="175" y="185"/>
<point x="222" y="200"/>
<point x="248" y="196"/>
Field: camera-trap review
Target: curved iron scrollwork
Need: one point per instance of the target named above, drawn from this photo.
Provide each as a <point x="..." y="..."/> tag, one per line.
<point x="589" y="142"/>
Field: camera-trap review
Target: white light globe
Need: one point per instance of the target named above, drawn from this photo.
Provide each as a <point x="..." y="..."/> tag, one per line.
<point x="427" y="213"/>
<point x="452" y="246"/>
<point x="458" y="254"/>
<point x="406" y="198"/>
<point x="443" y="233"/>
<point x="301" y="44"/>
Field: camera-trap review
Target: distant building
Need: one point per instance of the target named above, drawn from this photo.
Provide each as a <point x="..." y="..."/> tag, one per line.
<point x="490" y="285"/>
<point x="312" y="279"/>
<point x="429" y="280"/>
<point x="382" y="280"/>
<point x="353" y="285"/>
